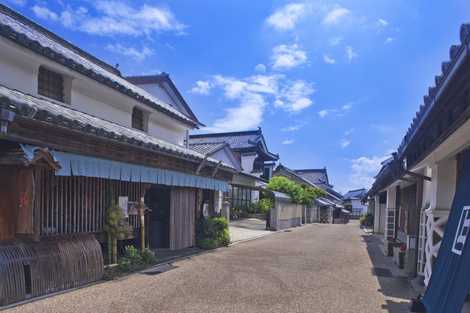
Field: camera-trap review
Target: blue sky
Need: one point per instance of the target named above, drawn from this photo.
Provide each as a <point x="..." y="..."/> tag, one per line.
<point x="331" y="83"/>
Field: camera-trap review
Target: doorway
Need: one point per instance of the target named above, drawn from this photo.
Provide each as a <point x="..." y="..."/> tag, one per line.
<point x="157" y="199"/>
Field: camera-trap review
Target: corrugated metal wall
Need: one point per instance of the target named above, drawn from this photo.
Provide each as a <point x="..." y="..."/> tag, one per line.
<point x="182" y="218"/>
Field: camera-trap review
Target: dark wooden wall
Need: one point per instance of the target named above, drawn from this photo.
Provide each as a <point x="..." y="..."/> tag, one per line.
<point x="182" y="218"/>
<point x="8" y="203"/>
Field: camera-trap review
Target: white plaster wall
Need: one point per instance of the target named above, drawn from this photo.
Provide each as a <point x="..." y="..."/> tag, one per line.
<point x="357" y="204"/>
<point x="247" y="162"/>
<point x="19" y="68"/>
<point x="157" y="91"/>
<point x="446" y="183"/>
<point x="391" y="197"/>
<point x="222" y="155"/>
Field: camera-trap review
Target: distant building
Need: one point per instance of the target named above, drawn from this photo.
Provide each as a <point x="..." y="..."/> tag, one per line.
<point x="352" y="201"/>
<point x="326" y="208"/>
<point x="245" y="151"/>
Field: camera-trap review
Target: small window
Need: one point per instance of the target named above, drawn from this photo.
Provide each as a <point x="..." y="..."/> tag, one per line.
<point x="267" y="172"/>
<point x="51" y="84"/>
<point x="138" y="119"/>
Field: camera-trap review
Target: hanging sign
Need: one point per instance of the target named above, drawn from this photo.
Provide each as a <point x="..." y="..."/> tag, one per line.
<point x="449" y="284"/>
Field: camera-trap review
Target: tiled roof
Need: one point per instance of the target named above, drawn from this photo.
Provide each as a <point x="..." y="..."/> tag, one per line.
<point x="207" y="148"/>
<point x="325" y="187"/>
<point x="315" y="176"/>
<point x="236" y="140"/>
<point x="434" y="92"/>
<point x="28" y="34"/>
<point x="355" y="194"/>
<point x="160" y="78"/>
<point x="60" y="115"/>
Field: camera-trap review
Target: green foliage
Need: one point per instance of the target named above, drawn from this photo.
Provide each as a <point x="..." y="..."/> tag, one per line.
<point x="212" y="232"/>
<point x="367" y="220"/>
<point x="208" y="244"/>
<point x="116" y="225"/>
<point x="135" y="259"/>
<point x="148" y="256"/>
<point x="264" y="205"/>
<point x="300" y="194"/>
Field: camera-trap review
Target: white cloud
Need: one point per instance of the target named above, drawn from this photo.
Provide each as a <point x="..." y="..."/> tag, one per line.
<point x="349" y="132"/>
<point x="260" y="68"/>
<point x="382" y="22"/>
<point x="350" y="54"/>
<point x="328" y="60"/>
<point x="335" y="15"/>
<point x="251" y="94"/>
<point x="138" y="55"/>
<point x="295" y="96"/>
<point x="287" y="17"/>
<point x="344" y="143"/>
<point x="114" y="17"/>
<point x="335" y="41"/>
<point x="292" y="128"/>
<point x="202" y="87"/>
<point x="389" y="40"/>
<point x="323" y="113"/>
<point x="363" y="170"/>
<point x="285" y="57"/>
<point x="348" y="106"/>
<point x="287" y="142"/>
<point x="45" y="13"/>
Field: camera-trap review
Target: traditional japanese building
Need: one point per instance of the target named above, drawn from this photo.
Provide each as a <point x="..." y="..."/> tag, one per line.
<point x="352" y="201"/>
<point x="325" y="208"/>
<point x="76" y="138"/>
<point x="246" y="151"/>
<point x="425" y="187"/>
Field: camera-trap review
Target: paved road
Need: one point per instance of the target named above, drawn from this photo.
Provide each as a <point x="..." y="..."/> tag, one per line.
<point x="246" y="229"/>
<point x="316" y="268"/>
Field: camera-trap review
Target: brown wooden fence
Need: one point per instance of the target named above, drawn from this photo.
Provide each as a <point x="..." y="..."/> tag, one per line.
<point x="54" y="264"/>
<point x="68" y="205"/>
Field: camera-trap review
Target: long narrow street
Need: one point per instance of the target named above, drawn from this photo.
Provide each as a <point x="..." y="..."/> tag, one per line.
<point x="316" y="268"/>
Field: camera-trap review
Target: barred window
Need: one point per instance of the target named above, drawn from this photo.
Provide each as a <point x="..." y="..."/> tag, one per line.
<point x="51" y="84"/>
<point x="241" y="197"/>
<point x="138" y="119"/>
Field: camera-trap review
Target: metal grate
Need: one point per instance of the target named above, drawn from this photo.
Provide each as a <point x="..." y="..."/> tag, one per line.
<point x="51" y="84"/>
<point x="138" y="119"/>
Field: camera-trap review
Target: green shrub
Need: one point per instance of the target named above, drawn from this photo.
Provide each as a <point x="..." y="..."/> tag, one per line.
<point x="212" y="232"/>
<point x="300" y="194"/>
<point x="367" y="220"/>
<point x="148" y="257"/>
<point x="208" y="244"/>
<point x="265" y="205"/>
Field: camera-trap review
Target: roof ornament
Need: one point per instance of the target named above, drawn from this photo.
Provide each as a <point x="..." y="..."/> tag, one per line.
<point x="445" y="67"/>
<point x="453" y="52"/>
<point x="465" y="33"/>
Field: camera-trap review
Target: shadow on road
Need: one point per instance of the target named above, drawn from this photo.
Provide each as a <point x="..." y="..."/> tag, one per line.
<point x="393" y="286"/>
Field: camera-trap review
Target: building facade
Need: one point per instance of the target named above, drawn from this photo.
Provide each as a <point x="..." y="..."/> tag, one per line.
<point x="415" y="190"/>
<point x="77" y="139"/>
<point x="247" y="152"/>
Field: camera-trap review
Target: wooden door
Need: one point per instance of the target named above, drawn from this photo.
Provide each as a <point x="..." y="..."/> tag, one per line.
<point x="182" y="218"/>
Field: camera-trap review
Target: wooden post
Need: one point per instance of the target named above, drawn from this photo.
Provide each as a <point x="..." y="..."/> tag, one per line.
<point x="142" y="224"/>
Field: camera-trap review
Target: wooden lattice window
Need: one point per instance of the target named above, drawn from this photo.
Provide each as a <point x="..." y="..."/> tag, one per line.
<point x="138" y="119"/>
<point x="51" y="84"/>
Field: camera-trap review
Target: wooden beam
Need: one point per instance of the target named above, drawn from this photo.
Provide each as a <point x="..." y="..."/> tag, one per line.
<point x="418" y="175"/>
<point x="216" y="168"/>
<point x="199" y="168"/>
